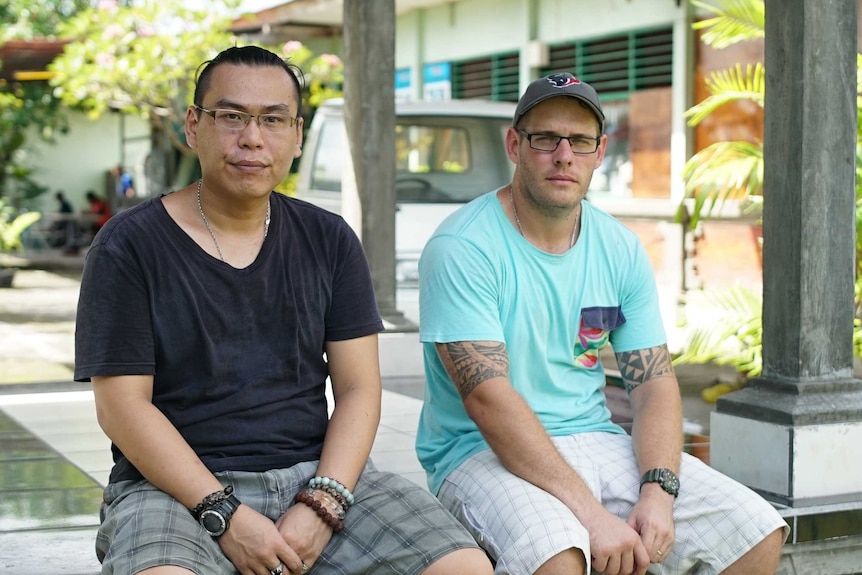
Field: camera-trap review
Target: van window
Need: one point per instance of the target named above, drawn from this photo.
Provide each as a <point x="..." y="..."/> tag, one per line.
<point x="427" y="149"/>
<point x="438" y="159"/>
<point x="329" y="157"/>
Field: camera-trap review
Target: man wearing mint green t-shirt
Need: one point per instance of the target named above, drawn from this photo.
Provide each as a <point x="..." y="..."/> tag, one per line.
<point x="519" y="290"/>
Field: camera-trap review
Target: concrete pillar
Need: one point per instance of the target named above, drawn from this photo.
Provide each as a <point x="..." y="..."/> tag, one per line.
<point x="794" y="434"/>
<point x="369" y="112"/>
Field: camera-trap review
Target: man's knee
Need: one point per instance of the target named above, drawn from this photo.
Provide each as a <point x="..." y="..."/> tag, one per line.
<point x="762" y="559"/>
<point x="569" y="562"/>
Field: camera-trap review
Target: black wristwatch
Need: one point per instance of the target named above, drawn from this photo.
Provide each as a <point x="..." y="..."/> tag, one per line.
<point x="666" y="478"/>
<point x="216" y="519"/>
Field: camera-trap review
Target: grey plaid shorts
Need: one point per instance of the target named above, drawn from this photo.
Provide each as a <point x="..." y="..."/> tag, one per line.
<point x="395" y="526"/>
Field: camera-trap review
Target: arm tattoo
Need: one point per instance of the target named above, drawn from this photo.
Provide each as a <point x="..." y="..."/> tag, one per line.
<point x="642" y="365"/>
<point x="469" y="363"/>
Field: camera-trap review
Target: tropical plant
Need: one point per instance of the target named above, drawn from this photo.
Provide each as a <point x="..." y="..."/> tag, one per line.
<point x="28" y="107"/>
<point x="24" y="106"/>
<point x="139" y="59"/>
<point x="728" y="170"/>
<point x="32" y="19"/>
<point x="12" y="226"/>
<point x="142" y="59"/>
<point x="732" y="332"/>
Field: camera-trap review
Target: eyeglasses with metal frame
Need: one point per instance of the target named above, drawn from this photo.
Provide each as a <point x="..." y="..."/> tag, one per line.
<point x="583" y="145"/>
<point x="236" y="121"/>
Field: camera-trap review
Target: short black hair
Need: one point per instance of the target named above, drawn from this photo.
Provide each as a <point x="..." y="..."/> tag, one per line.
<point x="247" y="56"/>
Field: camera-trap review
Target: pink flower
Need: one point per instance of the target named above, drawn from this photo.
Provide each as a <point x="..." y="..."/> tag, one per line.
<point x="112" y="32"/>
<point x="104" y="60"/>
<point x="292" y="46"/>
<point x="331" y="59"/>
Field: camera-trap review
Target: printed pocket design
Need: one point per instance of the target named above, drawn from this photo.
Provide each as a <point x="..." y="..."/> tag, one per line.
<point x="594" y="332"/>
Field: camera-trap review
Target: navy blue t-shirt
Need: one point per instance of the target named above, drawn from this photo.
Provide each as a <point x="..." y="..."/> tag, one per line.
<point x="237" y="355"/>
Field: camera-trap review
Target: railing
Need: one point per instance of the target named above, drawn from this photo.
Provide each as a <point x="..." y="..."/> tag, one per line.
<point x="64" y="231"/>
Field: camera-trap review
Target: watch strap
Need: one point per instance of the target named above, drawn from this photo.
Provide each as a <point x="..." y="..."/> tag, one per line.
<point x="666" y="479"/>
<point x="229" y="505"/>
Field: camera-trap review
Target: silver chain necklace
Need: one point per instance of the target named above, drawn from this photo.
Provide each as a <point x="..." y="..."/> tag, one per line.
<point x="518" y="220"/>
<point x="212" y="233"/>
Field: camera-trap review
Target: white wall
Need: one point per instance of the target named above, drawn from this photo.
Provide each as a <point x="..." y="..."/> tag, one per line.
<point x="477" y="28"/>
<point x="561" y="20"/>
<point x="79" y="159"/>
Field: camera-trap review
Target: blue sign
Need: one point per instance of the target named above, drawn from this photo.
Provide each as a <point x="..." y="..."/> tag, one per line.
<point x="403" y="88"/>
<point x="437" y="79"/>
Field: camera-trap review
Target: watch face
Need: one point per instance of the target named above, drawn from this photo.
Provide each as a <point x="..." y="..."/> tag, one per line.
<point x="213" y="522"/>
<point x="669" y="482"/>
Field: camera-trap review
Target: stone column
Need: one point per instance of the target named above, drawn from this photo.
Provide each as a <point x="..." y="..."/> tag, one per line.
<point x="795" y="433"/>
<point x="369" y="112"/>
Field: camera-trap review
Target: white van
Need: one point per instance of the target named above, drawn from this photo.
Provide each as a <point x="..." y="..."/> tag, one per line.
<point x="447" y="153"/>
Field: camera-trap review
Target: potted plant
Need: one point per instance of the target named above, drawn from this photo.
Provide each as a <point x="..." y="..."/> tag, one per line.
<point x="12" y="225"/>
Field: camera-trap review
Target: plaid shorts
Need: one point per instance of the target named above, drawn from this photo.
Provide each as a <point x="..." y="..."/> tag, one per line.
<point x="716" y="519"/>
<point x="395" y="527"/>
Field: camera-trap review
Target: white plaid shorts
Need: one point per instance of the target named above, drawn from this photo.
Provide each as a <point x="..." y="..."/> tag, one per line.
<point x="716" y="519"/>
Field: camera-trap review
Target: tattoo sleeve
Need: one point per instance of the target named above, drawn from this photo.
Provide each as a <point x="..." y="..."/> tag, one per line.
<point x="469" y="363"/>
<point x="642" y="365"/>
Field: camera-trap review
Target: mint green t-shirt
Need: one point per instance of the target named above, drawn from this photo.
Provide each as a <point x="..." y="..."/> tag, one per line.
<point x="480" y="280"/>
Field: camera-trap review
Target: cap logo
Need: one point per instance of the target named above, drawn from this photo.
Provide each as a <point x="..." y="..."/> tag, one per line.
<point x="562" y="80"/>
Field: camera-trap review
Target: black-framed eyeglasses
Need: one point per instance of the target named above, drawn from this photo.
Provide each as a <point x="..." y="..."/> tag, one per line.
<point x="235" y="121"/>
<point x="550" y="142"/>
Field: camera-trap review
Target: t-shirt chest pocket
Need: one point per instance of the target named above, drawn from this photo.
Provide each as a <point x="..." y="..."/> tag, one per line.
<point x="593" y="333"/>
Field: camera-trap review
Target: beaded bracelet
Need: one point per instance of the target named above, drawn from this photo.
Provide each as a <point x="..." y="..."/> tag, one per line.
<point x="307" y="498"/>
<point x="211" y="500"/>
<point x="339" y="497"/>
<point x="327" y="482"/>
<point x="335" y="507"/>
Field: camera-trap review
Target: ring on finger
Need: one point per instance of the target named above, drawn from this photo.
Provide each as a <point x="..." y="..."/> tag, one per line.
<point x="659" y="553"/>
<point x="305" y="567"/>
<point x="279" y="570"/>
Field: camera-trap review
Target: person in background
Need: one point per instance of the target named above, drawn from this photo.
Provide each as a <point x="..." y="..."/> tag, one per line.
<point x="100" y="212"/>
<point x="63" y="205"/>
<point x="124" y="185"/>
<point x="519" y="290"/>
<point x="64" y="228"/>
<point x="209" y="322"/>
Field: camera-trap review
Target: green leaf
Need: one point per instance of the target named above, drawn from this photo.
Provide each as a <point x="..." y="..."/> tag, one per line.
<point x="720" y="172"/>
<point x="735" y="21"/>
<point x="727" y="330"/>
<point x="727" y="86"/>
<point x="12" y="226"/>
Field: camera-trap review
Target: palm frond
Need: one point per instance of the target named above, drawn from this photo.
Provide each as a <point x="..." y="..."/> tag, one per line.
<point x="722" y="171"/>
<point x="735" y="21"/>
<point x="10" y="231"/>
<point x="728" y="330"/>
<point x="730" y="85"/>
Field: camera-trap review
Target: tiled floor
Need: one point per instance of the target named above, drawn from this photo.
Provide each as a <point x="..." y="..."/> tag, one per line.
<point x="55" y="460"/>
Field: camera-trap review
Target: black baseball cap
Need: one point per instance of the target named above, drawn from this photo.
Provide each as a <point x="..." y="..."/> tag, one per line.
<point x="560" y="84"/>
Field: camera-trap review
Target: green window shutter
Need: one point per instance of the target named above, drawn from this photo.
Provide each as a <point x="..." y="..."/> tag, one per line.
<point x="654" y="59"/>
<point x="493" y="78"/>
<point x="614" y="65"/>
<point x="620" y="64"/>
